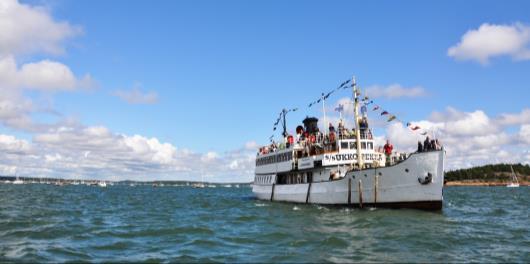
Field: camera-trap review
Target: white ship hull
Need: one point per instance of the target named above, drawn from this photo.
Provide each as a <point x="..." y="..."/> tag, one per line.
<point x="416" y="182"/>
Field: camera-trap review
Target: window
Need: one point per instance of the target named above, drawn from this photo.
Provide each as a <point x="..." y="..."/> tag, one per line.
<point x="370" y="145"/>
<point x="353" y="145"/>
<point x="344" y="145"/>
<point x="363" y="145"/>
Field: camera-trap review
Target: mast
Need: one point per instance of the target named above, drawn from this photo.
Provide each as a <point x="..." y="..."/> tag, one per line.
<point x="514" y="176"/>
<point x="357" y="126"/>
<point x="324" y="111"/>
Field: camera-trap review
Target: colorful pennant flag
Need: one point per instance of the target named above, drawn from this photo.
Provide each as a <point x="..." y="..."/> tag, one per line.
<point x="384" y="113"/>
<point x="391" y="118"/>
<point x="339" y="108"/>
<point x="415" y="128"/>
<point x="375" y="108"/>
<point x="343" y="85"/>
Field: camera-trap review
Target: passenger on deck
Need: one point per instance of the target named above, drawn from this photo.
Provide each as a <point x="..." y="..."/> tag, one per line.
<point x="438" y="145"/>
<point x="420" y="147"/>
<point x="388" y="151"/>
<point x="363" y="124"/>
<point x="331" y="128"/>
<point x="341" y="130"/>
<point x="426" y="144"/>
<point x="433" y="145"/>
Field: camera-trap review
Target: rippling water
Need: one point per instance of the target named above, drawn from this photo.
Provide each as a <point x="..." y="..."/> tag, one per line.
<point x="45" y="223"/>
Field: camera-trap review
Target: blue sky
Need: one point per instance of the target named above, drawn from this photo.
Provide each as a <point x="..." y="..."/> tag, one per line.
<point x="222" y="70"/>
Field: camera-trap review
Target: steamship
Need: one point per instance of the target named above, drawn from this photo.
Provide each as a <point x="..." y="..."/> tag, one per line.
<point x="344" y="167"/>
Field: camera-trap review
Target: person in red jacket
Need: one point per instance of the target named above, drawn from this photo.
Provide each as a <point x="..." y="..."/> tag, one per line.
<point x="388" y="151"/>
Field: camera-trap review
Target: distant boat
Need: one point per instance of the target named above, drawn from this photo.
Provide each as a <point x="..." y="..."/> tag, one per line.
<point x="18" y="181"/>
<point x="102" y="184"/>
<point x="515" y="182"/>
<point x="59" y="183"/>
<point x="198" y="185"/>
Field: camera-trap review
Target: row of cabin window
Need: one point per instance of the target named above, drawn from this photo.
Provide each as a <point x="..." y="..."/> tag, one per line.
<point x="353" y="145"/>
<point x="295" y="178"/>
<point x="273" y="159"/>
<point x="263" y="179"/>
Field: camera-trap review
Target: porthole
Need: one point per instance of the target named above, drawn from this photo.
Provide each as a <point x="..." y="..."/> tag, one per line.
<point x="380" y="174"/>
<point x="365" y="175"/>
<point x="406" y="170"/>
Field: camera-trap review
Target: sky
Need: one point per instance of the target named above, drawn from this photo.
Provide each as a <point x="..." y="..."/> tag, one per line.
<point x="188" y="90"/>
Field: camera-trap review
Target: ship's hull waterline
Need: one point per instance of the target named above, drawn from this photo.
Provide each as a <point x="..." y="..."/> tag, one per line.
<point x="416" y="182"/>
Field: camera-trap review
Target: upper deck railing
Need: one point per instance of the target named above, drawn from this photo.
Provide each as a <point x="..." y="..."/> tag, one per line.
<point x="319" y="141"/>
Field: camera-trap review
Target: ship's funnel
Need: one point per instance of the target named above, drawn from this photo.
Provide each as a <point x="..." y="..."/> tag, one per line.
<point x="311" y="124"/>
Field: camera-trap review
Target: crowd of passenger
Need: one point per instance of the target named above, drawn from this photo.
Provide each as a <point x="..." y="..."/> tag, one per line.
<point x="318" y="139"/>
<point x="429" y="145"/>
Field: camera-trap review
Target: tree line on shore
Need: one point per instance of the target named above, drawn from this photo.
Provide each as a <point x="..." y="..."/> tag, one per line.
<point x="492" y="172"/>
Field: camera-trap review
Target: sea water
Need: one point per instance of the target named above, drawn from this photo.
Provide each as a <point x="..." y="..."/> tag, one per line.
<point x="46" y="223"/>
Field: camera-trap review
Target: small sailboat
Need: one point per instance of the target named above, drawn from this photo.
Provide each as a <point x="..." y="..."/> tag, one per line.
<point x="199" y="184"/>
<point x="18" y="181"/>
<point x="515" y="182"/>
<point x="102" y="184"/>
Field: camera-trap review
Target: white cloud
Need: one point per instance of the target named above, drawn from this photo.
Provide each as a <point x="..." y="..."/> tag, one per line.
<point x="51" y="76"/>
<point x="43" y="75"/>
<point x="470" y="138"/>
<point x="96" y="152"/>
<point x="136" y="96"/>
<point x="491" y="40"/>
<point x="524" y="134"/>
<point x="251" y="145"/>
<point x="10" y="144"/>
<point x="28" y="29"/>
<point x="515" y="119"/>
<point x="395" y="91"/>
<point x="476" y="123"/>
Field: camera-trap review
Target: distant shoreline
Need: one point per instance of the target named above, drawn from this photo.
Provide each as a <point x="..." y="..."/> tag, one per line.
<point x="482" y="183"/>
